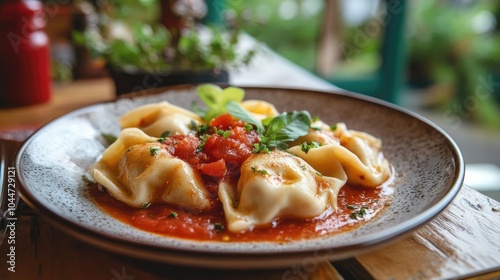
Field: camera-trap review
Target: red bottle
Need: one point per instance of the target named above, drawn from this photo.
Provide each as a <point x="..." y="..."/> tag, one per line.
<point x="24" y="54"/>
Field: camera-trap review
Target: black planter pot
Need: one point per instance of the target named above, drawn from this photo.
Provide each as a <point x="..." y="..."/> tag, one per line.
<point x="127" y="81"/>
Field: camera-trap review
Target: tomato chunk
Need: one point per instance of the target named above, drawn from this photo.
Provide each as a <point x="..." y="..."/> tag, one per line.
<point x="216" y="168"/>
<point x="225" y="122"/>
<point x="229" y="149"/>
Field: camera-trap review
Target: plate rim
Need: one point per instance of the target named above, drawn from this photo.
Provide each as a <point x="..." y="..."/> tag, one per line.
<point x="210" y="258"/>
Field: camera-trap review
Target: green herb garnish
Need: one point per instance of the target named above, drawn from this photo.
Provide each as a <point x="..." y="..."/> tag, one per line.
<point x="203" y="139"/>
<point x="193" y="126"/>
<point x="275" y="132"/>
<point x="87" y="180"/>
<point x="216" y="98"/>
<point x="173" y="214"/>
<point x="248" y="127"/>
<point x="154" y="151"/>
<point x="110" y="138"/>
<point x="283" y="128"/>
<point x="203" y="129"/>
<point x="359" y="213"/>
<point x="164" y="136"/>
<point x="223" y="133"/>
<point x="218" y="227"/>
<point x="237" y="111"/>
<point x="145" y="205"/>
<point x="261" y="171"/>
<point x="306" y="147"/>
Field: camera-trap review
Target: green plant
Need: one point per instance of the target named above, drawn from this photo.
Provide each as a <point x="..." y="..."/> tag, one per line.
<point x="129" y="43"/>
<point x="457" y="45"/>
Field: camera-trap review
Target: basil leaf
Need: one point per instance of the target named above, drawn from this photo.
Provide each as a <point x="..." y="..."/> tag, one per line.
<point x="216" y="98"/>
<point x="289" y="126"/>
<point x="237" y="111"/>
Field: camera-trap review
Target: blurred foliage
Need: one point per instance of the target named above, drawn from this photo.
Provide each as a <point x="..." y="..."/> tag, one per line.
<point x="449" y="42"/>
<point x="61" y="72"/>
<point x="296" y="35"/>
<point x="295" y="38"/>
<point x="127" y="38"/>
<point x="458" y="44"/>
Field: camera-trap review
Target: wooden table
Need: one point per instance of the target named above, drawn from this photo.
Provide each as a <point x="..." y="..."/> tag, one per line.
<point x="462" y="242"/>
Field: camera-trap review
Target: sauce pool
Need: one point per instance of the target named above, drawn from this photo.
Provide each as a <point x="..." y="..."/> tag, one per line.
<point x="356" y="206"/>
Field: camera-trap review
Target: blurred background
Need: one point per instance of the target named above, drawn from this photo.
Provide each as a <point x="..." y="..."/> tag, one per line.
<point x="439" y="58"/>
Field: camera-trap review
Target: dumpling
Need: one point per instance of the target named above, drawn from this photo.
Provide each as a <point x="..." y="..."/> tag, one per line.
<point x="276" y="185"/>
<point x="259" y="108"/>
<point x="136" y="170"/>
<point x="359" y="154"/>
<point x="155" y="119"/>
<point x="319" y="132"/>
<point x="323" y="160"/>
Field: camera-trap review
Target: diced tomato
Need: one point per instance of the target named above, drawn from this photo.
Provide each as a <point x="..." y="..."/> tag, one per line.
<point x="217" y="153"/>
<point x="231" y="150"/>
<point x="215" y="169"/>
<point x="185" y="146"/>
<point x="248" y="138"/>
<point x="225" y="122"/>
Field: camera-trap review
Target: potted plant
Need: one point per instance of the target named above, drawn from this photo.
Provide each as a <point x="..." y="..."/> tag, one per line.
<point x="166" y="49"/>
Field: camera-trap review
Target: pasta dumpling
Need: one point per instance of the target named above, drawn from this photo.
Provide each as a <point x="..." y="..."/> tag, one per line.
<point x="319" y="132"/>
<point x="259" y="108"/>
<point x="137" y="171"/>
<point x="359" y="154"/>
<point x="276" y="185"/>
<point x="155" y="119"/>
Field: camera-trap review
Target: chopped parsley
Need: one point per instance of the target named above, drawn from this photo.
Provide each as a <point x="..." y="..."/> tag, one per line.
<point x="358" y="212"/>
<point x="223" y="133"/>
<point x="218" y="227"/>
<point x="203" y="139"/>
<point x="306" y="147"/>
<point x="154" y="151"/>
<point x="164" y="135"/>
<point x="173" y="214"/>
<point x="333" y="127"/>
<point x="203" y="129"/>
<point x="193" y="126"/>
<point x="87" y="180"/>
<point x="261" y="171"/>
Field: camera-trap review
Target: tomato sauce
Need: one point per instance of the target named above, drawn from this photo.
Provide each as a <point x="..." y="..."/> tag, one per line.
<point x="356" y="205"/>
<point x="223" y="151"/>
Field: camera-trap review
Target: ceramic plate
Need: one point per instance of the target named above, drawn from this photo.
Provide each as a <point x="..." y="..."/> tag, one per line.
<point x="429" y="173"/>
